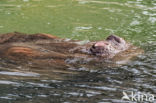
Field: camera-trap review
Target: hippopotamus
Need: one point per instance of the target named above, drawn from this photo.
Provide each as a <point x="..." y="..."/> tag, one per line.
<point x="46" y="50"/>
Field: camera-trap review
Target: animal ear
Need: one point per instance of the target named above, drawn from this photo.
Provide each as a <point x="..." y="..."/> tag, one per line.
<point x="114" y="37"/>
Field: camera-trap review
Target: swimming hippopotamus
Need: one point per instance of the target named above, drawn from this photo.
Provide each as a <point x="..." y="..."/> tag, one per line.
<point x="45" y="50"/>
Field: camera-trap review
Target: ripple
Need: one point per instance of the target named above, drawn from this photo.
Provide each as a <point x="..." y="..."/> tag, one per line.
<point x="53" y="81"/>
<point x="8" y="82"/>
<point x="53" y="6"/>
<point x="135" y="22"/>
<point x="29" y="74"/>
<point x="152" y="20"/>
<point x="148" y="13"/>
<point x="7" y="5"/>
<point x="92" y="93"/>
<point x="38" y="84"/>
<point x="26" y="0"/>
<point x="112" y="10"/>
<point x="130" y="4"/>
<point x="5" y="97"/>
<point x="42" y="95"/>
<point x="105" y="88"/>
<point x="83" y="28"/>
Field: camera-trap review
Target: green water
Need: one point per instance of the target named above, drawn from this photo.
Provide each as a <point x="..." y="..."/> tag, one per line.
<point x="80" y="19"/>
<point x="135" y="20"/>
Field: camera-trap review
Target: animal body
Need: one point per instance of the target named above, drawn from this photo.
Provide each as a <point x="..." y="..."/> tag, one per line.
<point x="45" y="50"/>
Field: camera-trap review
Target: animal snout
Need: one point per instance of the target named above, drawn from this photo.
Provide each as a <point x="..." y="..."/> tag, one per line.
<point x="101" y="44"/>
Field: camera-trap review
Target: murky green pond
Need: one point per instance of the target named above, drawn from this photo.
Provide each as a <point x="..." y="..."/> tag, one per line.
<point x="134" y="20"/>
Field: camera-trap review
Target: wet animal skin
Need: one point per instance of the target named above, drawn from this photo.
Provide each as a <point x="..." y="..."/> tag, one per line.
<point x="48" y="50"/>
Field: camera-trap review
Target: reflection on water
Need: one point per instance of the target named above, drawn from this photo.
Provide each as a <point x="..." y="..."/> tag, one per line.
<point x="8" y="82"/>
<point x="18" y="73"/>
<point x="84" y="20"/>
